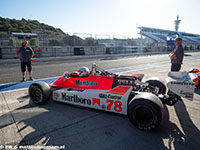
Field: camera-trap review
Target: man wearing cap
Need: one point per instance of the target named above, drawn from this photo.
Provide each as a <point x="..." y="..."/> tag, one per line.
<point x="176" y="55"/>
<point x="26" y="53"/>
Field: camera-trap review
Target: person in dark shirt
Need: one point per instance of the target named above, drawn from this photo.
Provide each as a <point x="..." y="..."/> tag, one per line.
<point x="176" y="55"/>
<point x="26" y="53"/>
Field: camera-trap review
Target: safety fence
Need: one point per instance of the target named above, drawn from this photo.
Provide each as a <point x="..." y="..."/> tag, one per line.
<point x="59" y="51"/>
<point x="53" y="51"/>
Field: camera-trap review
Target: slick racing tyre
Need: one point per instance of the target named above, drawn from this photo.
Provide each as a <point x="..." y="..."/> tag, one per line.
<point x="39" y="92"/>
<point x="156" y="82"/>
<point x="145" y="111"/>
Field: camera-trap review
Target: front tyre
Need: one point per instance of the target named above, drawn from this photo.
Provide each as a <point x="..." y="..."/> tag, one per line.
<point x="39" y="92"/>
<point x="145" y="111"/>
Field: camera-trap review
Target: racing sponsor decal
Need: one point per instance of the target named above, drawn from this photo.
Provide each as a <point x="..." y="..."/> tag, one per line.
<point x="76" y="99"/>
<point x="125" y="82"/>
<point x="96" y="101"/>
<point x="117" y="97"/>
<point x="117" y="105"/>
<point x="111" y="105"/>
<point x="85" y="83"/>
<point x="105" y="77"/>
<point x="183" y="83"/>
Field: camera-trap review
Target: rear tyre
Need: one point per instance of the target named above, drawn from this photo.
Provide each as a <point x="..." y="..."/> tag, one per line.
<point x="145" y="111"/>
<point x="39" y="92"/>
<point x="156" y="82"/>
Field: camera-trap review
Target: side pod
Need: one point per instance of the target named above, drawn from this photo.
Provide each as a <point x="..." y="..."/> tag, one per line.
<point x="181" y="84"/>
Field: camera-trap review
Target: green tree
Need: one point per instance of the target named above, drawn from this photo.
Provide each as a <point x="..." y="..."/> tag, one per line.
<point x="77" y="40"/>
<point x="27" y="26"/>
<point x="54" y="42"/>
<point x="15" y="25"/>
<point x="27" y="29"/>
<point x="73" y="40"/>
<point x="3" y="35"/>
<point x="12" y="42"/>
<point x="90" y="42"/>
<point x="18" y="43"/>
<point x="34" y="42"/>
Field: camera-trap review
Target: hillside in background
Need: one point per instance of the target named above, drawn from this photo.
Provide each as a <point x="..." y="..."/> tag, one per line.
<point x="29" y="26"/>
<point x="53" y="36"/>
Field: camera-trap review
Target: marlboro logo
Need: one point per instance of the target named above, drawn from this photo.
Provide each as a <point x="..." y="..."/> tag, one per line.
<point x="85" y="83"/>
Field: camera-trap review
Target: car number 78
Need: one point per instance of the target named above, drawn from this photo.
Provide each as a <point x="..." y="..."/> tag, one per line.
<point x="116" y="104"/>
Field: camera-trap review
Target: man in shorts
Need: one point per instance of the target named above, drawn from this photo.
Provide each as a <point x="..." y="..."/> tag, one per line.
<point x="26" y="53"/>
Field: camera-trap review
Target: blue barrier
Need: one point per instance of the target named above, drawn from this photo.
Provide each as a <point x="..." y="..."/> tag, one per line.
<point x="22" y="85"/>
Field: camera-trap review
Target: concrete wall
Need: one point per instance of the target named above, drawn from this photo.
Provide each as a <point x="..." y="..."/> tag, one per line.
<point x="8" y="52"/>
<point x="54" y="51"/>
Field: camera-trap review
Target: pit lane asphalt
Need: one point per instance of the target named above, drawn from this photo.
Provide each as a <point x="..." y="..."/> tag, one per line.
<point x="24" y="123"/>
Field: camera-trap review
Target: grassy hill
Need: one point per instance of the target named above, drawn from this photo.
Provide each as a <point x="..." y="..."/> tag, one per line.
<point x="29" y="26"/>
<point x="54" y="36"/>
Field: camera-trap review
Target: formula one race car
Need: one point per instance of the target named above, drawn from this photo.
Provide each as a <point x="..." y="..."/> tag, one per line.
<point x="124" y="94"/>
<point x="195" y="76"/>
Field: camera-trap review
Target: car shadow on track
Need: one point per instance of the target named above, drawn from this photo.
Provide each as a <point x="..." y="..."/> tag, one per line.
<point x="81" y="128"/>
<point x="189" y="129"/>
<point x="184" y="136"/>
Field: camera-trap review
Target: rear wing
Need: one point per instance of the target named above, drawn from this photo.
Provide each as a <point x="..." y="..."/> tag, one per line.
<point x="181" y="84"/>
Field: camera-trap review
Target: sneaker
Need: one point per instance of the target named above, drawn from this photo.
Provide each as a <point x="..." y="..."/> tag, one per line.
<point x="23" y="80"/>
<point x="30" y="78"/>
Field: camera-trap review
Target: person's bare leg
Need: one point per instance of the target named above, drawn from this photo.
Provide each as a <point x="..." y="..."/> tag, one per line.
<point x="30" y="75"/>
<point x="23" y="76"/>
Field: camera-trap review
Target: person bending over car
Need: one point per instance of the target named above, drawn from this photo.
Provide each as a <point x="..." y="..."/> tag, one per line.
<point x="176" y="55"/>
<point x="26" y="53"/>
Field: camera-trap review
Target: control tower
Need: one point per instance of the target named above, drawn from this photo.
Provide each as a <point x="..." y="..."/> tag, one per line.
<point x="177" y="22"/>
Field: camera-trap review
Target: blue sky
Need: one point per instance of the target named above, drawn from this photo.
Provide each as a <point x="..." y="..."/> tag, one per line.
<point x="106" y="18"/>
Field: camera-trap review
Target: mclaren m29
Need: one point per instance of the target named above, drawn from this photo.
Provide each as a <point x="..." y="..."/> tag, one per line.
<point x="141" y="101"/>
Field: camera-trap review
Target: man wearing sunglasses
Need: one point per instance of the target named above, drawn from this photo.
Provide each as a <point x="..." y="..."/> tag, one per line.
<point x="176" y="55"/>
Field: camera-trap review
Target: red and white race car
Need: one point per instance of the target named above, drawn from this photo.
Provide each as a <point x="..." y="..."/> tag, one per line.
<point x="128" y="95"/>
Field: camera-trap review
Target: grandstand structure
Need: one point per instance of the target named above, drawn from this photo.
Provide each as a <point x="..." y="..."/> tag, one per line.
<point x="161" y="37"/>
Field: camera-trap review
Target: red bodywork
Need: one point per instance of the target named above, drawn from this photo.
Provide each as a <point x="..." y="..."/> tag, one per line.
<point x="98" y="82"/>
<point x="90" y="82"/>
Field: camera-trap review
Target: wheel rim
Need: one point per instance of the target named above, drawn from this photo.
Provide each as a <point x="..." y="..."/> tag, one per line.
<point x="143" y="115"/>
<point x="162" y="88"/>
<point x="36" y="94"/>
